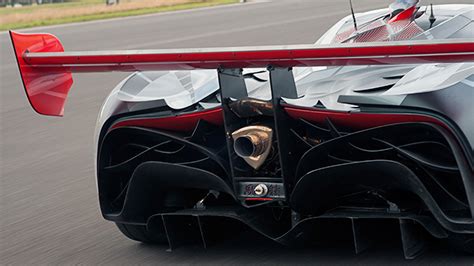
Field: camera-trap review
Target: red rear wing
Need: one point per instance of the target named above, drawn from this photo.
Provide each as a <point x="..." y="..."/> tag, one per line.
<point x="46" y="69"/>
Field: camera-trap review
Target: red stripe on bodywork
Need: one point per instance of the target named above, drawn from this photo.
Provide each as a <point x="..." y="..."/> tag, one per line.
<point x="185" y="122"/>
<point x="406" y="14"/>
<point x="357" y="120"/>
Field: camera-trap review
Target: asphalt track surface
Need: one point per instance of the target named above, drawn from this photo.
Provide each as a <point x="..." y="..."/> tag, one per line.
<point x="48" y="203"/>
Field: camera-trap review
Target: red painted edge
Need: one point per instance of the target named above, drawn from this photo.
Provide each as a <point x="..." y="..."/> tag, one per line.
<point x="357" y="120"/>
<point x="182" y="123"/>
<point x="46" y="90"/>
<point x="258" y="199"/>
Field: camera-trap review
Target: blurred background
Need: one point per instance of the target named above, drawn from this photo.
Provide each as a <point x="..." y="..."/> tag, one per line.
<point x="49" y="210"/>
<point x="15" y="14"/>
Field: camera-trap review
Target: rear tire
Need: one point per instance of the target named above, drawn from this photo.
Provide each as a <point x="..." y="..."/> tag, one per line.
<point x="141" y="234"/>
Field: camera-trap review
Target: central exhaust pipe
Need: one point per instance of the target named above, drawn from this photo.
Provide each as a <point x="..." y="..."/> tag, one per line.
<point x="253" y="144"/>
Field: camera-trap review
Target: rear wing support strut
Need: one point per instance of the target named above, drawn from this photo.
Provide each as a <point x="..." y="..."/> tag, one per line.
<point x="282" y="84"/>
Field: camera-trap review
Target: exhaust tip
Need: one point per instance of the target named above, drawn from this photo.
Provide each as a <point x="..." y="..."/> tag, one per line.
<point x="253" y="144"/>
<point x="244" y="147"/>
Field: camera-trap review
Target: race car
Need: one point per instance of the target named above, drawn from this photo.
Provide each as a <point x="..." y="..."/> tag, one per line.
<point x="369" y="129"/>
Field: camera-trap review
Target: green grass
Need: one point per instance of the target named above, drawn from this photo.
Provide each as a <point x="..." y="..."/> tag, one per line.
<point x="97" y="16"/>
<point x="28" y="9"/>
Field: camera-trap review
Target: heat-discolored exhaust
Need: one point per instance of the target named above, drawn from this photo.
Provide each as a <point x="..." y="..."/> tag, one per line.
<point x="253" y="144"/>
